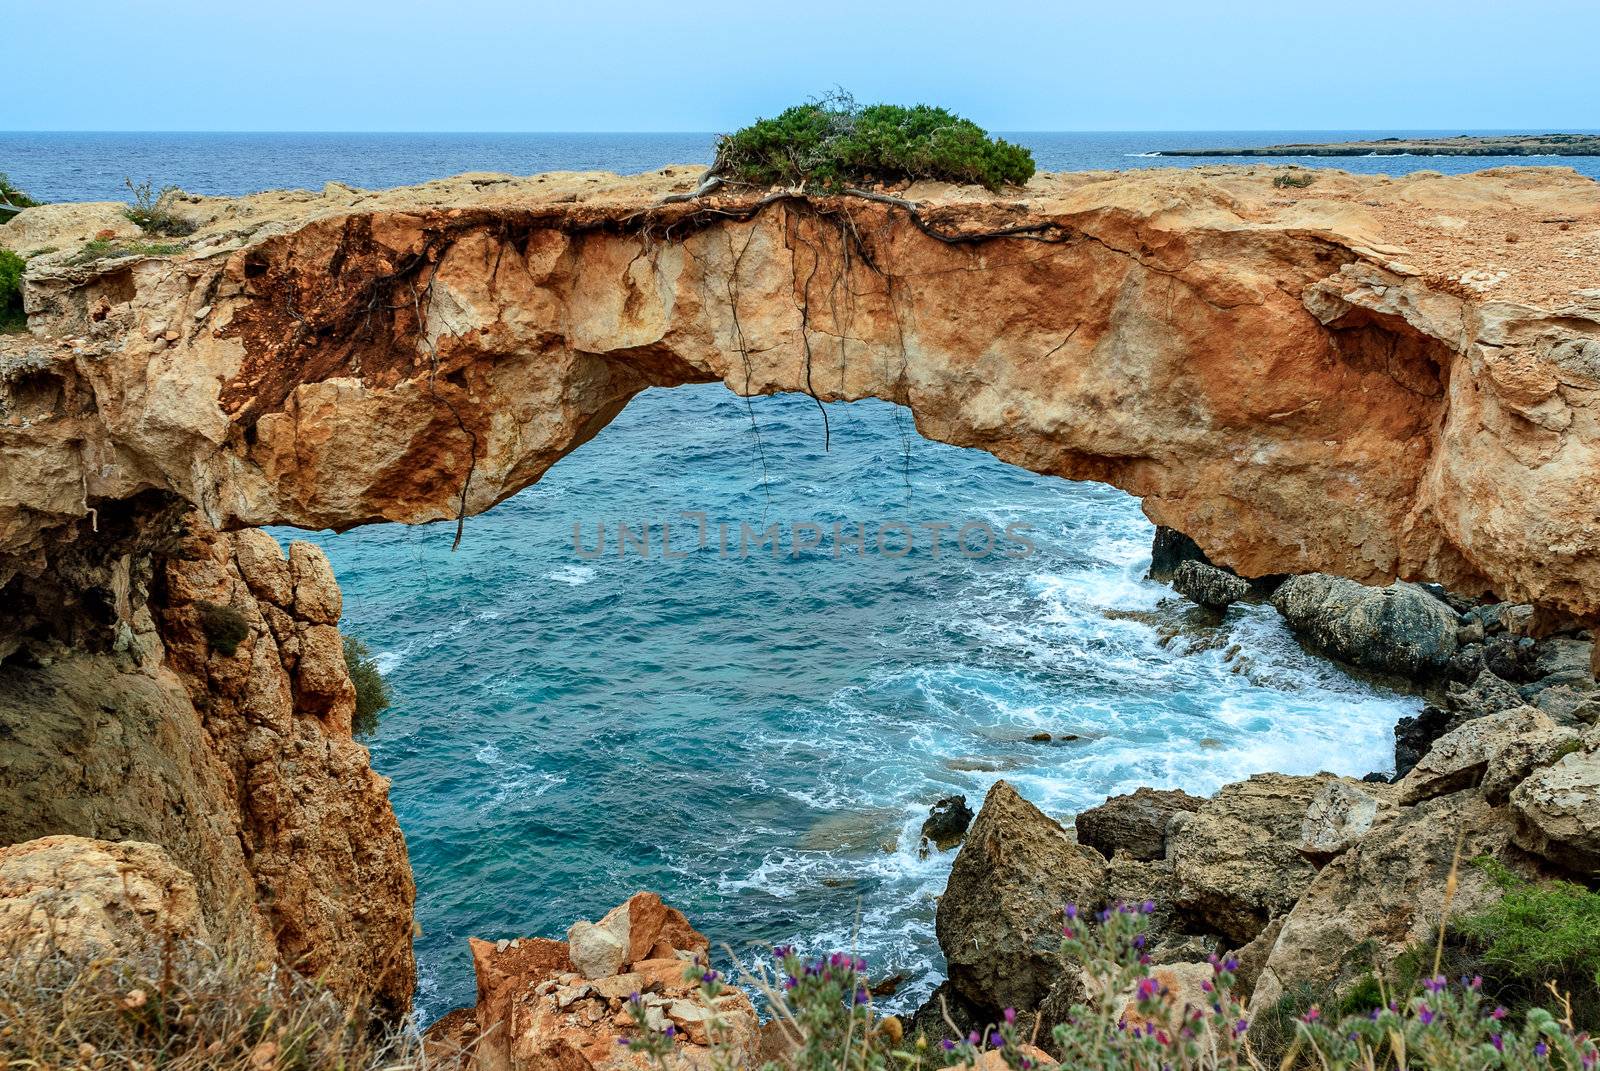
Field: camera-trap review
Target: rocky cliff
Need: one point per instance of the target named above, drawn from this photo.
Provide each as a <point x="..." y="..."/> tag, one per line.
<point x="1368" y="377"/>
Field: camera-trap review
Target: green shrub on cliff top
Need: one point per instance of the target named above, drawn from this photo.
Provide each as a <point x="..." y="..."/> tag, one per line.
<point x="832" y="142"/>
<point x="11" y="315"/>
<point x="13" y="196"/>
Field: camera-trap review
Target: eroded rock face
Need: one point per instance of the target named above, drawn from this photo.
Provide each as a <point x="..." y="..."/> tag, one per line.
<point x="1558" y="810"/>
<point x="1237" y="859"/>
<point x="91" y="899"/>
<point x="238" y="763"/>
<point x="999" y="921"/>
<point x="1385" y="894"/>
<point x="1196" y="338"/>
<point x="540" y="1009"/>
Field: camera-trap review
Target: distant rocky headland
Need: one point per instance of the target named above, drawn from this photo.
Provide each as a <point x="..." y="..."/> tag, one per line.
<point x="1461" y="145"/>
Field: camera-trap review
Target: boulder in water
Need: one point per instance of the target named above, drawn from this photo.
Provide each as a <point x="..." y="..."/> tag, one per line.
<point x="1400" y="629"/>
<point x="1208" y="586"/>
<point x="947" y="822"/>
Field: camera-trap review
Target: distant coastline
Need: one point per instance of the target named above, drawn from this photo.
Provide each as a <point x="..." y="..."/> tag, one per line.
<point x="1463" y="145"/>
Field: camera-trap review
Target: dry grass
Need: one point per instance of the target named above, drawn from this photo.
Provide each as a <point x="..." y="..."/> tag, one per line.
<point x="185" y="1007"/>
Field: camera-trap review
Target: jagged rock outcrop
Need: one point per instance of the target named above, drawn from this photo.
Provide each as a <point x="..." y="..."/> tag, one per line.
<point x="1135" y="823"/>
<point x="543" y="1006"/>
<point x="125" y="715"/>
<point x="999" y="921"/>
<point x="1237" y="860"/>
<point x="1328" y="381"/>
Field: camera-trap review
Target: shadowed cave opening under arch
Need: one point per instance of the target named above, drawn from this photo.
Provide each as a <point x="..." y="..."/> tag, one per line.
<point x="758" y="737"/>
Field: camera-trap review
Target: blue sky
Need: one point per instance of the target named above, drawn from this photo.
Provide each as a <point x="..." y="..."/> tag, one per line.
<point x="494" y="65"/>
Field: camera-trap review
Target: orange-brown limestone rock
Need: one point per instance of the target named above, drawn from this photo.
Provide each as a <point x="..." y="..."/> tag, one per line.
<point x="1362" y="377"/>
<point x="538" y="1011"/>
<point x="123" y="718"/>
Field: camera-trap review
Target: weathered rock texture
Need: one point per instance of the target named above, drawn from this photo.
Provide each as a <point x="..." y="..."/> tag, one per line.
<point x="121" y="720"/>
<point x="1362" y="378"/>
<point x="88" y="899"/>
<point x="549" y="1006"/>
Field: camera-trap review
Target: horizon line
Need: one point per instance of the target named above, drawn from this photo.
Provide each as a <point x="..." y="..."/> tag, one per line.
<point x="702" y="133"/>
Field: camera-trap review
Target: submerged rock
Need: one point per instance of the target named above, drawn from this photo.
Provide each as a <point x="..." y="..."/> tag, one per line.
<point x="999" y="921"/>
<point x="1401" y="629"/>
<point x="1135" y="823"/>
<point x="1208" y="586"/>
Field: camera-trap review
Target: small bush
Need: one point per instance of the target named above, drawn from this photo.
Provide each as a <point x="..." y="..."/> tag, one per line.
<point x="1294" y="180"/>
<point x="152" y="210"/>
<point x="191" y="1008"/>
<point x="15" y="197"/>
<point x="832" y="142"/>
<point x="224" y="627"/>
<point x="372" y="695"/>
<point x="11" y="315"/>
<point x="105" y="248"/>
<point x="1540" y="933"/>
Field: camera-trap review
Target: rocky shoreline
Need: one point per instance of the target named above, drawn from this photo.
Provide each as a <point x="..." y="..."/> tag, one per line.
<point x="1333" y="382"/>
<point x="1313" y="883"/>
<point x="1463" y="145"/>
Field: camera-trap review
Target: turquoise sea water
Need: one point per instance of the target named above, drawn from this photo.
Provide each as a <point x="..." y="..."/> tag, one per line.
<point x="759" y="738"/>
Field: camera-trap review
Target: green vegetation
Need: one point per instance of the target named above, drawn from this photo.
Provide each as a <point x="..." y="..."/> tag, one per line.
<point x="831" y="143"/>
<point x="13" y="196"/>
<point x="152" y="210"/>
<point x="188" y="1007"/>
<point x="106" y="248"/>
<point x="1294" y="180"/>
<point x="11" y="315"/>
<point x="1540" y="933"/>
<point x="225" y="628"/>
<point x="372" y="695"/>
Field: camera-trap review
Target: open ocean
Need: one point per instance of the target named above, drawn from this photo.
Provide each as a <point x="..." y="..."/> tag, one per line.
<point x="758" y="739"/>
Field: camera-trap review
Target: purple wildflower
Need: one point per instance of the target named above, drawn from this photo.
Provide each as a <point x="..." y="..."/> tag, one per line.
<point x="948" y="1044"/>
<point x="1424" y="1014"/>
<point x="1240" y="1027"/>
<point x="1148" y="907"/>
<point x="1434" y="984"/>
<point x="1231" y="964"/>
<point x="1010" y="1015"/>
<point x="1497" y="1014"/>
<point x="1499" y="1045"/>
<point x="1541" y="1050"/>
<point x="1312" y="1014"/>
<point x="1072" y="911"/>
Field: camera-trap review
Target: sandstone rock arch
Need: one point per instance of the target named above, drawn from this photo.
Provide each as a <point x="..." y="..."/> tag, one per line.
<point x="1273" y="376"/>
